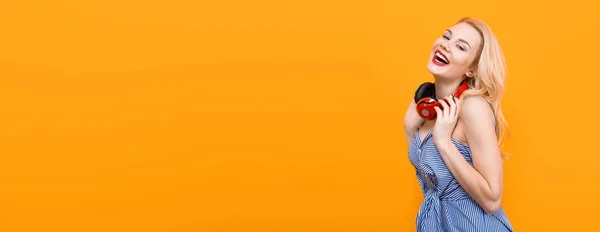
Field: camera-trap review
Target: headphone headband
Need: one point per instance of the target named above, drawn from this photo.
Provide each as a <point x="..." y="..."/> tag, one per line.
<point x="463" y="86"/>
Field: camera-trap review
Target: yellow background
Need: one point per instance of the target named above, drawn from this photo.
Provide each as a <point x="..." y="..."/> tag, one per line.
<point x="274" y="115"/>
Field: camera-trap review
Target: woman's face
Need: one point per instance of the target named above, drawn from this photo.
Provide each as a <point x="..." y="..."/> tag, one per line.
<point x="453" y="53"/>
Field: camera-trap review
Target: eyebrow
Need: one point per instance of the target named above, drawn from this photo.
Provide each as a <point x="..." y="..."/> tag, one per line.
<point x="462" y="40"/>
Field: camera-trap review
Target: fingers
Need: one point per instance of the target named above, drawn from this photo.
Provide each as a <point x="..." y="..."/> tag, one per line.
<point x="452" y="100"/>
<point x="450" y="106"/>
<point x="458" y="105"/>
<point x="439" y="112"/>
<point x="445" y="107"/>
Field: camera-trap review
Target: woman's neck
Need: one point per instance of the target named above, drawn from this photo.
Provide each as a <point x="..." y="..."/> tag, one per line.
<point x="444" y="88"/>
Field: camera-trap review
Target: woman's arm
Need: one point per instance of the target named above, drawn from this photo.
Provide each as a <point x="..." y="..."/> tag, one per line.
<point x="410" y="135"/>
<point x="483" y="181"/>
<point x="412" y="122"/>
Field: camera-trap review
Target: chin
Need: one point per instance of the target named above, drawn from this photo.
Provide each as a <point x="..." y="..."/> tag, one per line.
<point x="436" y="70"/>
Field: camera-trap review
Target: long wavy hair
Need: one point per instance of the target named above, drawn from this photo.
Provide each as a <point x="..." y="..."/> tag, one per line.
<point x="490" y="75"/>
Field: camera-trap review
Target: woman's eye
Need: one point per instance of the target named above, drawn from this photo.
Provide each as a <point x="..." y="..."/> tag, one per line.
<point x="446" y="37"/>
<point x="460" y="47"/>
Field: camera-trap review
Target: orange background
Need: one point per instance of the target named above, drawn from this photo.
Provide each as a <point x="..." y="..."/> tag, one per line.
<point x="274" y="115"/>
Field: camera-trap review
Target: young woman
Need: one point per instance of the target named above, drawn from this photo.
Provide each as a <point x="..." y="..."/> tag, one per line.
<point x="455" y="145"/>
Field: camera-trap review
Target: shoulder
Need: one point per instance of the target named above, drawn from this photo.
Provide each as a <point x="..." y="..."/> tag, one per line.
<point x="475" y="106"/>
<point x="475" y="111"/>
<point x="478" y="121"/>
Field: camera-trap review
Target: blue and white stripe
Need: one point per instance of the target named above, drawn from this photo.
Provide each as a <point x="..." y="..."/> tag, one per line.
<point x="447" y="206"/>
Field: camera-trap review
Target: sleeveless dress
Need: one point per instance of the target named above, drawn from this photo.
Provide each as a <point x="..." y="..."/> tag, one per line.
<point x="447" y="206"/>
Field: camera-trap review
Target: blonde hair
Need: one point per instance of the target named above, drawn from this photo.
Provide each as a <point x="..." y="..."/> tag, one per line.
<point x="490" y="74"/>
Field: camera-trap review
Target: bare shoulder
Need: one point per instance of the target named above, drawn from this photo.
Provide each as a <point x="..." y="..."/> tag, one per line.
<point x="475" y="108"/>
<point x="477" y="119"/>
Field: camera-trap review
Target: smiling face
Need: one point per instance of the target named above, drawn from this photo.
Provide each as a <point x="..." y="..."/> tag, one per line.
<point x="453" y="53"/>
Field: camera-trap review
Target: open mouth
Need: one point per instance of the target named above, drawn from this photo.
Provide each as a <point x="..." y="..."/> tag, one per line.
<point x="440" y="58"/>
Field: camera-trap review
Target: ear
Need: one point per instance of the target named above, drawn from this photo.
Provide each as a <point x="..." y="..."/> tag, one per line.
<point x="470" y="73"/>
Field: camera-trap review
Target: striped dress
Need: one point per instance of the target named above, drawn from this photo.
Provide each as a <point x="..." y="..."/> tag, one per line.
<point x="447" y="207"/>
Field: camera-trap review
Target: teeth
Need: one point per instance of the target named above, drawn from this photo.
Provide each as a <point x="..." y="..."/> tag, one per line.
<point x="441" y="57"/>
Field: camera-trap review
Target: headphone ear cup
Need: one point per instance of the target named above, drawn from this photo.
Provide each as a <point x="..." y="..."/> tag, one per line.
<point x="426" y="89"/>
<point x="426" y="108"/>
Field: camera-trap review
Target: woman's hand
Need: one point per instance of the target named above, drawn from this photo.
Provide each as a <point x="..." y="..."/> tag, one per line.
<point x="446" y="120"/>
<point x="412" y="120"/>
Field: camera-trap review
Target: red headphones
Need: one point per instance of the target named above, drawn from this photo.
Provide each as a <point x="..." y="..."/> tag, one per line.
<point x="425" y="99"/>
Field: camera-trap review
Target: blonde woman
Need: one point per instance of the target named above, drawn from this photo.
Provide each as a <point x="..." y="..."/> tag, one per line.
<point x="454" y="136"/>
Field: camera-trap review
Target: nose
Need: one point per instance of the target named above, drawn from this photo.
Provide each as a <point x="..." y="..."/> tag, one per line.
<point x="446" y="46"/>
